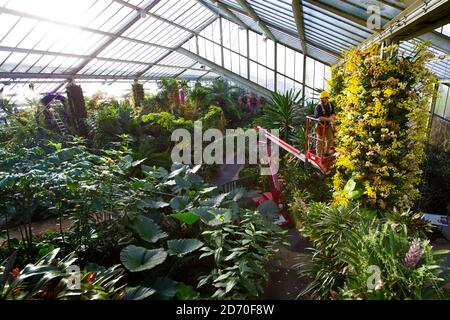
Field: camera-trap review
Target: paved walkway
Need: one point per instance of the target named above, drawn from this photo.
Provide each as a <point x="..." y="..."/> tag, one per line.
<point x="284" y="282"/>
<point x="40" y="227"/>
<point x="227" y="172"/>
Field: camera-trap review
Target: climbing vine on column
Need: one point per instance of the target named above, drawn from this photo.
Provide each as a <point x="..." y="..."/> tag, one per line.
<point x="382" y="119"/>
<point x="138" y="94"/>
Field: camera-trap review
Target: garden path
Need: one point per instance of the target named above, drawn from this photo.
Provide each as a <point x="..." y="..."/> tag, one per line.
<point x="40" y="227"/>
<point x="227" y="172"/>
<point x="283" y="283"/>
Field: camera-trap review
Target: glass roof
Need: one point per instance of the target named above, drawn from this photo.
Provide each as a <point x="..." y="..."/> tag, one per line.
<point x="50" y="42"/>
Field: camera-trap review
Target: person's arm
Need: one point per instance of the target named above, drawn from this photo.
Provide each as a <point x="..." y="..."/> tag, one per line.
<point x="319" y="115"/>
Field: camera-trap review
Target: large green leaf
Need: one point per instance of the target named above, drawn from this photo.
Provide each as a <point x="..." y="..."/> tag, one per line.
<point x="213" y="216"/>
<point x="139" y="259"/>
<point x="355" y="194"/>
<point x="186" y="217"/>
<point x="166" y="288"/>
<point x="137" y="293"/>
<point x="8" y="181"/>
<point x="186" y="292"/>
<point x="182" y="182"/>
<point x="215" y="201"/>
<point x="148" y="230"/>
<point x="181" y="247"/>
<point x="155" y="204"/>
<point x="137" y="162"/>
<point x="268" y="208"/>
<point x="350" y="185"/>
<point x="179" y="203"/>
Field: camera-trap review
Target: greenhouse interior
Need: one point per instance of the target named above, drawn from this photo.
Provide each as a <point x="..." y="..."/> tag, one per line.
<point x="224" y="150"/>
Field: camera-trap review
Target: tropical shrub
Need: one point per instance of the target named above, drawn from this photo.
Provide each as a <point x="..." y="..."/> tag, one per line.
<point x="222" y="94"/>
<point x="282" y="112"/>
<point x="52" y="278"/>
<point x="351" y="242"/>
<point x="382" y="113"/>
<point x="240" y="252"/>
<point x="435" y="186"/>
<point x="113" y="120"/>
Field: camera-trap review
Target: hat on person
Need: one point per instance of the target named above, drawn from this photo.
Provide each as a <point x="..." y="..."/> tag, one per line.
<point x="324" y="94"/>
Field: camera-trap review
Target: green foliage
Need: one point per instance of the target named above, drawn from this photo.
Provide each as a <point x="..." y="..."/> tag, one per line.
<point x="283" y="112"/>
<point x="348" y="240"/>
<point x="181" y="247"/>
<point x="214" y="118"/>
<point x="139" y="259"/>
<point x="240" y="252"/>
<point x="226" y="97"/>
<point x="435" y="186"/>
<point x="198" y="97"/>
<point x="296" y="179"/>
<point x="382" y="114"/>
<point x="51" y="278"/>
<point x="113" y="120"/>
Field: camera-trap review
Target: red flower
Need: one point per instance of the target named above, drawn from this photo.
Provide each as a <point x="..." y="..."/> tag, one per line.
<point x="92" y="277"/>
<point x="333" y="294"/>
<point x="15" y="273"/>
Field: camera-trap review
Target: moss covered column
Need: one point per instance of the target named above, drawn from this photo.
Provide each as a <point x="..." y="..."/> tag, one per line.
<point x="138" y="93"/>
<point x="77" y="109"/>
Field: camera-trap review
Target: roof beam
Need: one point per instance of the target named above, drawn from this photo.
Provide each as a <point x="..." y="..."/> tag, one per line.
<point x="418" y="18"/>
<point x="440" y="41"/>
<point x="229" y="13"/>
<point x="151" y="14"/>
<point x="70" y="25"/>
<point x="65" y="76"/>
<point x="119" y="33"/>
<point x="288" y="32"/>
<point x="70" y="55"/>
<point x="398" y="6"/>
<point x="342" y="14"/>
<point x="298" y="16"/>
<point x="226" y="73"/>
<point x="179" y="46"/>
<point x="248" y="8"/>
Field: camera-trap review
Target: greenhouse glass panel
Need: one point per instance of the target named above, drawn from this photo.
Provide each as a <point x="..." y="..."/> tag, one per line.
<point x="217" y="54"/>
<point x="299" y="67"/>
<point x="290" y="63"/>
<point x="242" y="42"/>
<point x="270" y="49"/>
<point x="441" y="100"/>
<point x="227" y="59"/>
<point x="319" y="72"/>
<point x="235" y="63"/>
<point x="41" y="64"/>
<point x="253" y="45"/>
<point x="261" y="50"/>
<point x="309" y="81"/>
<point x="280" y="83"/>
<point x="289" y="84"/>
<point x="12" y="61"/>
<point x="19" y="32"/>
<point x="243" y="68"/>
<point x="8" y="24"/>
<point x="281" y="58"/>
<point x="270" y="79"/>
<point x="262" y="76"/>
<point x="253" y="72"/>
<point x="27" y="62"/>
